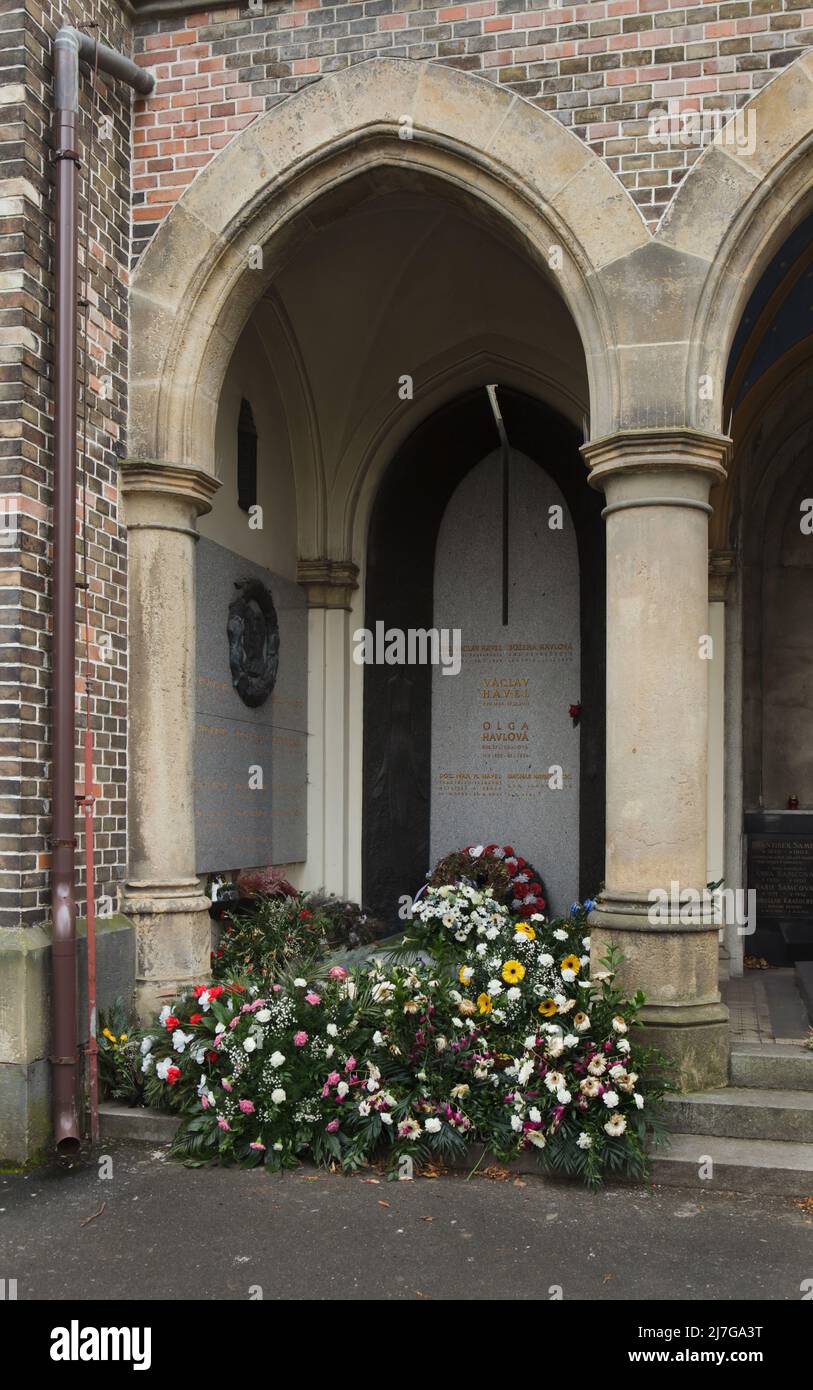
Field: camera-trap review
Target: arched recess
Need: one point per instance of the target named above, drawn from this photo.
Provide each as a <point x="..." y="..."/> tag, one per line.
<point x="222" y="244"/>
<point x="742" y="198"/>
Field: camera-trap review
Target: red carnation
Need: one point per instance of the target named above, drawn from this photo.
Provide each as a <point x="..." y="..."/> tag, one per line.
<point x="508" y="851"/>
<point x="211" y="1055"/>
<point x="173" y="1075"/>
<point x="305" y="914"/>
<point x="196" y="1018"/>
<point x="172" y="1023"/>
<point x="535" y="888"/>
<point x="215" y="991"/>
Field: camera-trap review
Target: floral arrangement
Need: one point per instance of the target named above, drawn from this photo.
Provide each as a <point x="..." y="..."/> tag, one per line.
<point x="296" y="932"/>
<point x="485" y="1027"/>
<point x="498" y="867"/>
<point x="119" y="1060"/>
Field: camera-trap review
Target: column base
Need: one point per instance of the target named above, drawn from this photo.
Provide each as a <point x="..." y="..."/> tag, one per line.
<point x="173" y="940"/>
<point x="675" y="965"/>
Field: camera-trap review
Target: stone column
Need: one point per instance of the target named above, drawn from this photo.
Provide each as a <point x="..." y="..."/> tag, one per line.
<point x="657" y="485"/>
<point x="329" y="586"/>
<point x="162" y="894"/>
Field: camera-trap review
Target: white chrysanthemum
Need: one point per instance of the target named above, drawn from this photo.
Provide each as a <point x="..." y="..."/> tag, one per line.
<point x="278" y="1095"/>
<point x="584" y="1140"/>
<point x="432" y="1125"/>
<point x="535" y="1115"/>
<point x="331" y="1030"/>
<point x="559" y="934"/>
<point x="610" y="1099"/>
<point x="619" y="1025"/>
<point x="615" y="1125"/>
<point x="563" y="1096"/>
<point x="263" y="1015"/>
<point x="516" y="1123"/>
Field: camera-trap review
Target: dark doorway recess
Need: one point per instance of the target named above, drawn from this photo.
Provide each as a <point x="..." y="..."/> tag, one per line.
<point x="408" y="509"/>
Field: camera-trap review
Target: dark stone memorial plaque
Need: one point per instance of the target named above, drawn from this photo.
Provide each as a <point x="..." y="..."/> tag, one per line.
<point x="251" y="714"/>
<point x="780" y="870"/>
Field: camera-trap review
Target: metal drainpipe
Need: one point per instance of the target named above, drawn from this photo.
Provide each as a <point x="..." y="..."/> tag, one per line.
<point x="69" y="47"/>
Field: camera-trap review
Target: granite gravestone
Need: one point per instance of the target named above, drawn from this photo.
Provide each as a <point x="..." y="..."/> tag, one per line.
<point x="780" y="870"/>
<point x="251" y="713"/>
<point x="501" y="724"/>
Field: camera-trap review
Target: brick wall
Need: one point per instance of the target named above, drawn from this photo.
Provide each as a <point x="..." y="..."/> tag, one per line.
<point x="599" y="68"/>
<point x="26" y="415"/>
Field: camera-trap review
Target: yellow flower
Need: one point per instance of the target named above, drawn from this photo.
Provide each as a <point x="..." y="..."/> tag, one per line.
<point x="123" y="1037"/>
<point x="525" y="929"/>
<point x="547" y="1007"/>
<point x="484" y="1003"/>
<point x="512" y="972"/>
<point x="571" y="963"/>
<point x="464" y="974"/>
<point x="107" y="1034"/>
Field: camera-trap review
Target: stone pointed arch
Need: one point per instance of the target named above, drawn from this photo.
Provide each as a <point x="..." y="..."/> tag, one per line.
<point x="733" y="210"/>
<point x="194" y="289"/>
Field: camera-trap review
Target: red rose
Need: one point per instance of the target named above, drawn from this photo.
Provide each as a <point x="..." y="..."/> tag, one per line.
<point x="173" y="1075"/>
<point x="535" y="888"/>
<point x="211" y="1055"/>
<point x="305" y="914"/>
<point x="196" y="1018"/>
<point x="508" y="851"/>
<point x="172" y="1023"/>
<point x="521" y="862"/>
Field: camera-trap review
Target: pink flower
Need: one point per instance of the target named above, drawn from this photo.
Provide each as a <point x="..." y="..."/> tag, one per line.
<point x="223" y="1124"/>
<point x="334" y="1079"/>
<point x="337" y="972"/>
<point x="312" y="998"/>
<point x="256" y="1145"/>
<point x="350" y="1064"/>
<point x="300" y="1038"/>
<point x="276" y="988"/>
<point x="235" y="1021"/>
<point x="247" y="1107"/>
<point x="333" y="1126"/>
<point x="226" y="1086"/>
<point x="204" y="1102"/>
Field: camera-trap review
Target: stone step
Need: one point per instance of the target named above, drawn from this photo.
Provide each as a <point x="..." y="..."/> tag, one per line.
<point x="772" y="1064"/>
<point x="136" y="1122"/>
<point x="743" y="1112"/>
<point x="737" y="1165"/>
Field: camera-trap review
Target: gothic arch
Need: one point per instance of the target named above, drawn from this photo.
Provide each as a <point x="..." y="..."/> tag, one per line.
<point x="194" y="289"/>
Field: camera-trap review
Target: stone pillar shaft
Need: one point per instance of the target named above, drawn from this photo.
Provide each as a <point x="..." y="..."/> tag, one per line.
<point x="657" y="486"/>
<point x="162" y="894"/>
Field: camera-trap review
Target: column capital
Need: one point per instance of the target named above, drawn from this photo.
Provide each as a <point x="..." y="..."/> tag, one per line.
<point x="328" y="583"/>
<point x="651" y="451"/>
<point x="722" y="564"/>
<point x="146" y="479"/>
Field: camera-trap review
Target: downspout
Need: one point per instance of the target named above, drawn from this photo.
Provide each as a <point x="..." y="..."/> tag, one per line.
<point x="69" y="47"/>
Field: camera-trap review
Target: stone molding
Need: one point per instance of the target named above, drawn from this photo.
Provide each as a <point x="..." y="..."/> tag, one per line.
<point x="722" y="565"/>
<point x="650" y="451"/>
<point x="145" y="478"/>
<point x="328" y="583"/>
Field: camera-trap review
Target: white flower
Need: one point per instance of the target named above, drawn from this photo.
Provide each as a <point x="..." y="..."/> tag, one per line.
<point x="386" y="1117"/>
<point x="568" y="976"/>
<point x="514" y="994"/>
<point x="180" y="1039"/>
<point x="535" y="1137"/>
<point x="530" y="1041"/>
<point x="278" y="1095"/>
<point x="492" y="933"/>
<point x="378" y="1037"/>
<point x="619" y="1025"/>
<point x="584" y="1141"/>
<point x="560" y="935"/>
<point x="615" y="1125"/>
<point x="146" y="1044"/>
<point x="617" y="1071"/>
<point x="333" y="1032"/>
<point x="249" y="1044"/>
<point x="639" y="1100"/>
<point x="610" y="1099"/>
<point x="516" y="1123"/>
<point x="494" y="987"/>
<point x="263" y="1015"/>
<point x="329" y="1050"/>
<point x="623" y="1045"/>
<point x="441" y="1043"/>
<point x="546" y="960"/>
<point x="555" y="1047"/>
<point x="148" y="1063"/>
<point x="276" y="1059"/>
<point x="299" y="982"/>
<point x="200" y="1054"/>
<point x="162" y="1067"/>
<point x="586" y="942"/>
<point x="563" y="1095"/>
<point x="278" y="1146"/>
<point x="476" y="851"/>
<point x="342" y="1088"/>
<point x="432" y="1125"/>
<point x="364" y="1107"/>
<point x="164" y="1014"/>
<point x="534" y="1114"/>
<point x="554" y="1080"/>
<point x="570" y="1040"/>
<point x="466" y="973"/>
